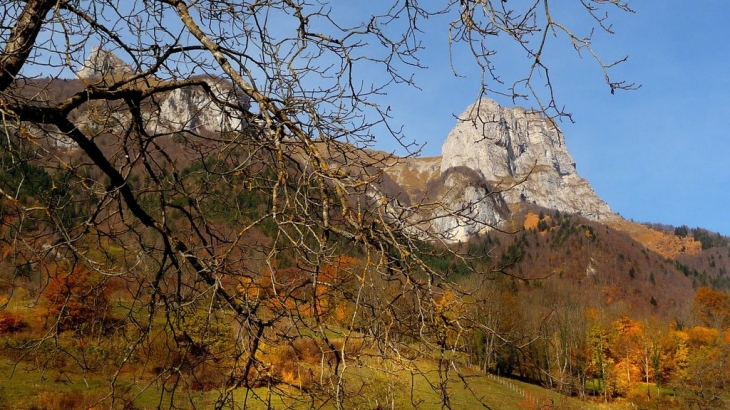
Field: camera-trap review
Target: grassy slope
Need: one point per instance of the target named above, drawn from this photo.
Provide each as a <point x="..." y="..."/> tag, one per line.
<point x="22" y="389"/>
<point x="482" y="392"/>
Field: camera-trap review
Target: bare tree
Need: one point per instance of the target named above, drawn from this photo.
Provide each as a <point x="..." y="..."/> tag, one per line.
<point x="200" y="184"/>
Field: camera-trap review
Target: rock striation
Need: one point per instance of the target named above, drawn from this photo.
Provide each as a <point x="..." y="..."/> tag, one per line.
<point x="493" y="160"/>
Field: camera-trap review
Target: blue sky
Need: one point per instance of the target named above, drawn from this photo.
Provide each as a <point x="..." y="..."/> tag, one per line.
<point x="658" y="154"/>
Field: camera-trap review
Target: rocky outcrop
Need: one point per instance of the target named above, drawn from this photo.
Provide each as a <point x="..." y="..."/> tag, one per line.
<point x="523" y="155"/>
<point x="494" y="159"/>
<point x="190" y="108"/>
<point x="102" y="63"/>
<point x="468" y="205"/>
<point x="452" y="205"/>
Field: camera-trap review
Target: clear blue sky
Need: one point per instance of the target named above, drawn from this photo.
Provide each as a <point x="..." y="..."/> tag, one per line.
<point x="659" y="154"/>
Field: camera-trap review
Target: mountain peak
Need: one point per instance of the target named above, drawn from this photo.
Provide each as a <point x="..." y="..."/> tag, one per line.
<point x="493" y="161"/>
<point x="524" y="155"/>
<point x="102" y="63"/>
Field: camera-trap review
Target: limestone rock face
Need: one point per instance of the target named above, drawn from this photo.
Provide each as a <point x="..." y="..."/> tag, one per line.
<point x="102" y="63"/>
<point x="470" y="206"/>
<point x="494" y="159"/>
<point x="190" y="108"/>
<point x="523" y="155"/>
<point x="452" y="205"/>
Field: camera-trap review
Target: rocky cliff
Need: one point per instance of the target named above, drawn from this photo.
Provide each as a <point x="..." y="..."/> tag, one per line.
<point x="522" y="154"/>
<point x="189" y="108"/>
<point x="494" y="159"/>
<point x="102" y="63"/>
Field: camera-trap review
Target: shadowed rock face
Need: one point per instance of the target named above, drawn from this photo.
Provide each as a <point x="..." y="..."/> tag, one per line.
<point x="494" y="159"/>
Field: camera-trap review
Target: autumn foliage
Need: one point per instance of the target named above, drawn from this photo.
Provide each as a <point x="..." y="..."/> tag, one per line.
<point x="75" y="300"/>
<point x="11" y="322"/>
<point x="712" y="307"/>
<point x="304" y="291"/>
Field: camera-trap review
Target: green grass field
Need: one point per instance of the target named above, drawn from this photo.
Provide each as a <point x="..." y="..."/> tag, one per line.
<point x="22" y="388"/>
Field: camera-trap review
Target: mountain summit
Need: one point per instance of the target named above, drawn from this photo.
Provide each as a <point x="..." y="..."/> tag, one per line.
<point x="523" y="154"/>
<point x="495" y="159"/>
<point x="102" y="63"/>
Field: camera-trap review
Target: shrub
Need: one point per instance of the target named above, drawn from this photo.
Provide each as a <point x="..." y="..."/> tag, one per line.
<point x="11" y="323"/>
<point x="47" y="400"/>
<point x="75" y="300"/>
<point x="308" y="350"/>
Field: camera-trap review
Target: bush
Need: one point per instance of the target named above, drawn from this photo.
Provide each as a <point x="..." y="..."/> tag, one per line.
<point x="308" y="350"/>
<point x="11" y="323"/>
<point x="74" y="399"/>
<point x="641" y="399"/>
<point x="76" y="300"/>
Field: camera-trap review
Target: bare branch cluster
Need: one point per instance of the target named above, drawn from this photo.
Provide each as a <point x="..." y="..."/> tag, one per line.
<point x="195" y="197"/>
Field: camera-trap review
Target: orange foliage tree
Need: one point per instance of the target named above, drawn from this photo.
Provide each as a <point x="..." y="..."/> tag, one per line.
<point x="11" y="322"/>
<point x="630" y="348"/>
<point x="712" y="308"/>
<point x="75" y="301"/>
<point x="707" y="378"/>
